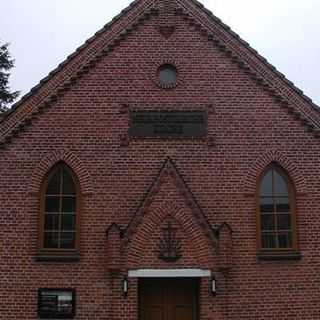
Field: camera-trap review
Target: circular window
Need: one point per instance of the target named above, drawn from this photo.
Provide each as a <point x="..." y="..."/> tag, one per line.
<point x="167" y="75"/>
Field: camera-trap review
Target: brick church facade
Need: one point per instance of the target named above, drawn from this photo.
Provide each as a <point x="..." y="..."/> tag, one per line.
<point x="163" y="171"/>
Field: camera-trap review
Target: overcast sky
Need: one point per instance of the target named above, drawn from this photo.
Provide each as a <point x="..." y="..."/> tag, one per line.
<point x="43" y="32"/>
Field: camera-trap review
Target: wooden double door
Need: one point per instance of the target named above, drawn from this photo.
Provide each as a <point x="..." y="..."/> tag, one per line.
<point x="168" y="299"/>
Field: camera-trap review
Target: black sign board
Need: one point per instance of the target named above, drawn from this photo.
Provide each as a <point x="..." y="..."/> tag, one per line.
<point x="56" y="303"/>
<point x="168" y="123"/>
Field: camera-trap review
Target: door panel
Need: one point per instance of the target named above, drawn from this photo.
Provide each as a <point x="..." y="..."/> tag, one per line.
<point x="152" y="298"/>
<point x="183" y="313"/>
<point x="168" y="299"/>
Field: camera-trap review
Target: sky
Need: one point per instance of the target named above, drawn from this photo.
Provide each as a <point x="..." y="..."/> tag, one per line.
<point x="42" y="33"/>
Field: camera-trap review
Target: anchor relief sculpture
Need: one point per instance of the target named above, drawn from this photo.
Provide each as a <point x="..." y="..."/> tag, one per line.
<point x="169" y="246"/>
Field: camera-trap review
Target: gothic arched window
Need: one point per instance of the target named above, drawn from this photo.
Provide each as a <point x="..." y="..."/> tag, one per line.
<point x="59" y="212"/>
<point x="276" y="211"/>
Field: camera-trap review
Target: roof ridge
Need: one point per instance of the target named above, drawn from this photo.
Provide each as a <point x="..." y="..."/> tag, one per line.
<point x="69" y="59"/>
<point x="271" y="67"/>
<point x="70" y="56"/>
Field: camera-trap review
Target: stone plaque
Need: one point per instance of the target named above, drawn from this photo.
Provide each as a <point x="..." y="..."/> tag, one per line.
<point x="168" y="123"/>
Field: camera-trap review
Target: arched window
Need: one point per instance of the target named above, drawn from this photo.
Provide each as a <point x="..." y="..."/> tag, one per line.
<point x="276" y="211"/>
<point x="59" y="216"/>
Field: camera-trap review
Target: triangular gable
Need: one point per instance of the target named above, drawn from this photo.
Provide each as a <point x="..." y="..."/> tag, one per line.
<point x="104" y="41"/>
<point x="170" y="170"/>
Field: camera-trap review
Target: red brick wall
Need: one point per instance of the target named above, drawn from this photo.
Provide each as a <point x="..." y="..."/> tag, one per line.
<point x="83" y="128"/>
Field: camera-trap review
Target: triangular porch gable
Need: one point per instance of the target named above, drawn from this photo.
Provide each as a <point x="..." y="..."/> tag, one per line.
<point x="169" y="171"/>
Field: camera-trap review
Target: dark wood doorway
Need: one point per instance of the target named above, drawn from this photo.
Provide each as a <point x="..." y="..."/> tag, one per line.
<point x="168" y="299"/>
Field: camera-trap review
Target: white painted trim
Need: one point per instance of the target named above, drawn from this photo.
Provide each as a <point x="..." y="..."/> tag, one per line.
<point x="169" y="273"/>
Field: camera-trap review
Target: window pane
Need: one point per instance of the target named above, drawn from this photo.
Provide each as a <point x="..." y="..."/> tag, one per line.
<point x="284" y="239"/>
<point x="51" y="222"/>
<point x="280" y="185"/>
<point x="266" y="184"/>
<point x="268" y="240"/>
<point x="284" y="221"/>
<point x="65" y="303"/>
<point x="52" y="204"/>
<point x="282" y="204"/>
<point x="168" y="74"/>
<point x="51" y="240"/>
<point x="68" y="185"/>
<point x="267" y="222"/>
<point x="67" y="240"/>
<point x="54" y="183"/>
<point x="266" y="205"/>
<point x="275" y="212"/>
<point x="68" y="204"/>
<point x="68" y="222"/>
<point x="60" y="211"/>
<point x="49" y="302"/>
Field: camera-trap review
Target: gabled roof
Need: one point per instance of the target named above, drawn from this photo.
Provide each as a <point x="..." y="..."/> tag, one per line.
<point x="104" y="41"/>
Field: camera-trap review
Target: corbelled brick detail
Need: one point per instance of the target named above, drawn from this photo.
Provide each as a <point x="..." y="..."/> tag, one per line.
<point x="77" y="64"/>
<point x="284" y="92"/>
<point x="113" y="251"/>
<point x="225" y="247"/>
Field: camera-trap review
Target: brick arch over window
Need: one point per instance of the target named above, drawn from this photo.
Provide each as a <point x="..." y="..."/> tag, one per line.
<point x="273" y="156"/>
<point x="202" y="248"/>
<point x="71" y="160"/>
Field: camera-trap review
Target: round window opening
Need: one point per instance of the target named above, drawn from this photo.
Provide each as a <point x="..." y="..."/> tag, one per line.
<point x="167" y="75"/>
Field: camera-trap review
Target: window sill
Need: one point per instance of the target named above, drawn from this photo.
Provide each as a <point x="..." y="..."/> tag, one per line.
<point x="276" y="256"/>
<point x="57" y="257"/>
